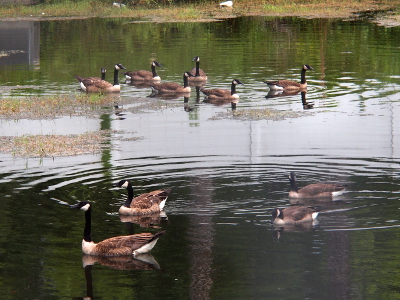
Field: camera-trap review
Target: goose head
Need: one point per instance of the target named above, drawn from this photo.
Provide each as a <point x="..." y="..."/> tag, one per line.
<point x="196" y="59"/>
<point x="122" y="184"/>
<point x="156" y="64"/>
<point x="83" y="205"/>
<point x="236" y="81"/>
<point x="188" y="74"/>
<point x="119" y="67"/>
<point x="307" y="67"/>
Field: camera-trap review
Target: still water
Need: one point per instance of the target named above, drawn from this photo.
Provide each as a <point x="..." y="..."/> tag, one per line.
<point x="227" y="172"/>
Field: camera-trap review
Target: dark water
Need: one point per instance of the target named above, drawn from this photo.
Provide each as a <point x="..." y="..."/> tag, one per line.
<point x="228" y="172"/>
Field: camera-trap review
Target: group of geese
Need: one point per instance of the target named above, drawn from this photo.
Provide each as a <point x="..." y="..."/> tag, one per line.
<point x="154" y="202"/>
<point x="195" y="75"/>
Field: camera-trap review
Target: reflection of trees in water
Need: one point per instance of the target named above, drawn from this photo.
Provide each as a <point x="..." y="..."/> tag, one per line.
<point x="200" y="235"/>
<point x="338" y="263"/>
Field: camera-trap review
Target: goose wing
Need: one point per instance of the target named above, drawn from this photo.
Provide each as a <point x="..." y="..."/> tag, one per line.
<point x="149" y="199"/>
<point x="285" y="84"/>
<point x="320" y="188"/>
<point x="297" y="213"/>
<point x="167" y="87"/>
<point x="125" y="245"/>
<point x="216" y="93"/>
<point x="141" y="74"/>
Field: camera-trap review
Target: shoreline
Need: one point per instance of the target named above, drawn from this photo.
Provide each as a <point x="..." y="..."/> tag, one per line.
<point x="386" y="13"/>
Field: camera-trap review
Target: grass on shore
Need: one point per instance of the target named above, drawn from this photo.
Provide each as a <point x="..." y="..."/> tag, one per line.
<point x="196" y="12"/>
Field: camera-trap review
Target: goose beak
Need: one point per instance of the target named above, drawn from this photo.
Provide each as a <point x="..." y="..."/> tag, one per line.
<point x="74" y="206"/>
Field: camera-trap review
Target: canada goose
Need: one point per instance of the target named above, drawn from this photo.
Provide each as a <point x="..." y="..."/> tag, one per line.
<point x="315" y="190"/>
<point x="222" y="94"/>
<point x="102" y="85"/>
<point x="199" y="74"/>
<point x="172" y="87"/>
<point x="143" y="204"/>
<point x="116" y="246"/>
<point x="226" y="4"/>
<point x="293" y="215"/>
<point x="90" y="80"/>
<point x="143" y="75"/>
<point x="290" y="85"/>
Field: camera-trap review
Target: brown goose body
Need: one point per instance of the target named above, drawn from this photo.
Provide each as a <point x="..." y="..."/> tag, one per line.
<point x="90" y="80"/>
<point x="96" y="86"/>
<point x="222" y="94"/>
<point x="116" y="246"/>
<point x="315" y="190"/>
<point x="199" y="74"/>
<point x="172" y="87"/>
<point x="144" y="204"/>
<point x="289" y="84"/>
<point x="293" y="215"/>
<point x="143" y="75"/>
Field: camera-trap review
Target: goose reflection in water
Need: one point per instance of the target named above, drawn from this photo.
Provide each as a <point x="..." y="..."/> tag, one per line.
<point x="144" y="262"/>
<point x="304" y="102"/>
<point x="146" y="221"/>
<point x="277" y="230"/>
<point x="140" y="262"/>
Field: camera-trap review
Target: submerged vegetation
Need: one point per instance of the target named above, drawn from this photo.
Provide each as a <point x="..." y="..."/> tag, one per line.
<point x="169" y="10"/>
<point x="53" y="145"/>
<point x="45" y="107"/>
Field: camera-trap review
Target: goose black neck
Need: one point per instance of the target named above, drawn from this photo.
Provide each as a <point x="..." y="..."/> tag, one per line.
<point x="185" y="81"/>
<point x="233" y="89"/>
<point x="293" y="186"/>
<point x="303" y="76"/>
<point x="116" y="82"/>
<point x="87" y="232"/>
<point x="197" y="68"/>
<point x="103" y="76"/>
<point x="130" y="196"/>
<point x="153" y="70"/>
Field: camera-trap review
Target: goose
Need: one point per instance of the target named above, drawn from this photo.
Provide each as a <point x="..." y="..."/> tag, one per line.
<point x="315" y="190"/>
<point x="143" y="204"/>
<point x="293" y="215"/>
<point x="92" y="79"/>
<point x="199" y="74"/>
<point x="116" y="246"/>
<point x="143" y="75"/>
<point x="102" y="85"/>
<point x="222" y="94"/>
<point x="172" y="87"/>
<point x="288" y="84"/>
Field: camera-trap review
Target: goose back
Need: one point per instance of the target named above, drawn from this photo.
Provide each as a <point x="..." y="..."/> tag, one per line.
<point x="217" y="93"/>
<point x="173" y="87"/>
<point x="293" y="215"/>
<point x="289" y="84"/>
<point x="315" y="190"/>
<point x="144" y="75"/>
<point x="91" y="86"/>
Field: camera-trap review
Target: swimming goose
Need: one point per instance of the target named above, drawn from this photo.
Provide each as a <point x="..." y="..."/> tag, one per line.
<point x="293" y="215"/>
<point x="222" y="94"/>
<point x="143" y="75"/>
<point x="172" y="87"/>
<point x="315" y="190"/>
<point x="143" y="204"/>
<point x="199" y="74"/>
<point x="288" y="84"/>
<point x="116" y="246"/>
<point x="101" y="85"/>
<point x="91" y="79"/>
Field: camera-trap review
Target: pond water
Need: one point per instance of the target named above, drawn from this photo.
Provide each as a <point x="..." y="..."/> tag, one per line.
<point x="228" y="170"/>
